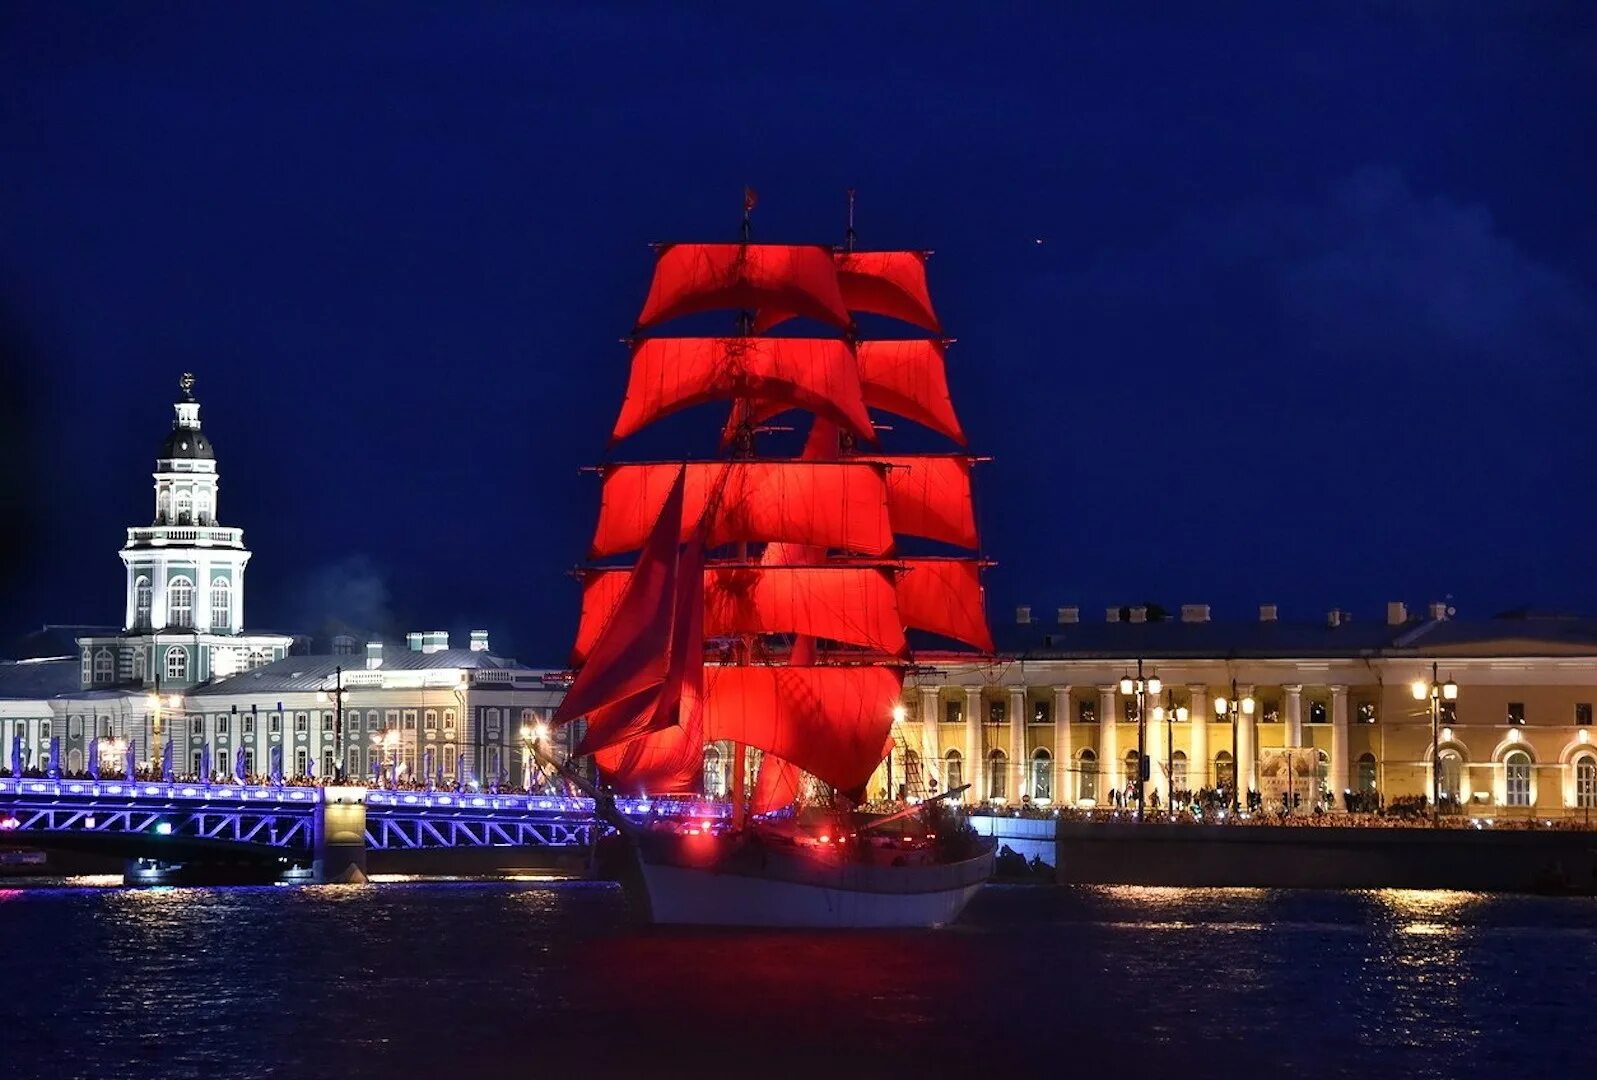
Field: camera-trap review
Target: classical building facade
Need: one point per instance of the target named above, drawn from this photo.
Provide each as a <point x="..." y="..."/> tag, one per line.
<point x="1334" y="711"/>
<point x="183" y="672"/>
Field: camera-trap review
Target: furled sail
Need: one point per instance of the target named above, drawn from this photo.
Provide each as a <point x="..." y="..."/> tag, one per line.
<point x="818" y="374"/>
<point x="828" y="505"/>
<point x="693" y="278"/>
<point x="853" y="604"/>
<point x="891" y="283"/>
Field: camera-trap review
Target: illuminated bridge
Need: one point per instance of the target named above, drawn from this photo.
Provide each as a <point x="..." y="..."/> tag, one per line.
<point x="312" y="829"/>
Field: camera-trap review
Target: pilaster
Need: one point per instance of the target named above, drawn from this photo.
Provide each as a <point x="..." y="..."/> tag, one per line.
<point x="1294" y="715"/>
<point x="1337" y="779"/>
<point x="1198" y="767"/>
<point x="975" y="765"/>
<point x="1064" y="754"/>
<point x="1019" y="771"/>
<point x="1108" y="743"/>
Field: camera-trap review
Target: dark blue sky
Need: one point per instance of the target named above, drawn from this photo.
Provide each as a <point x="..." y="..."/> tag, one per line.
<point x="1313" y="320"/>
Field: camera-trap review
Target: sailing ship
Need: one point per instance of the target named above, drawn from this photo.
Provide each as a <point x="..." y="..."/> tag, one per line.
<point x="774" y="596"/>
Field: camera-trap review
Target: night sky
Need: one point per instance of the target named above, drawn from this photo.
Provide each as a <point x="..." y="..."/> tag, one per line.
<point x="1284" y="304"/>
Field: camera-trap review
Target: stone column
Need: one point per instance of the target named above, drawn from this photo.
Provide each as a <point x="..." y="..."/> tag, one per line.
<point x="1198" y="768"/>
<point x="1064" y="779"/>
<point x="975" y="767"/>
<point x="1246" y="780"/>
<point x="1294" y="715"/>
<point x="931" y="751"/>
<point x="1108" y="742"/>
<point x="1338" y="777"/>
<point x="1019" y="768"/>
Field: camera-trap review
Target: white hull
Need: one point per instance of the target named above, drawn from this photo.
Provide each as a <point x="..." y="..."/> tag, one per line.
<point x="837" y="897"/>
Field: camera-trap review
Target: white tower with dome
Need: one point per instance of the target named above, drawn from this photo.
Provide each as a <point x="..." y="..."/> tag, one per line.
<point x="184" y="605"/>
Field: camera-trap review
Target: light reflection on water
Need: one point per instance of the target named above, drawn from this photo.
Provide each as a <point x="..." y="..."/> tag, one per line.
<point x="514" y="977"/>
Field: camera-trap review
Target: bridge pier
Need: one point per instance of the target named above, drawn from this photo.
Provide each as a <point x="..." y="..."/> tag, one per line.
<point x="340" y="836"/>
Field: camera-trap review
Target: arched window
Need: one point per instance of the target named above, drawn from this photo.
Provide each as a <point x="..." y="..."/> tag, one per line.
<point x="163" y="506"/>
<point x="429" y="763"/>
<point x="1133" y="773"/>
<point x="997" y="772"/>
<point x="1516" y="778"/>
<point x="182" y="506"/>
<point x="1225" y="772"/>
<point x="74" y="727"/>
<point x="492" y="723"/>
<point x="221" y="604"/>
<point x="1366" y="780"/>
<point x="1042" y="774"/>
<point x="1178" y="771"/>
<point x="177" y="664"/>
<point x="494" y="770"/>
<point x="1322" y="769"/>
<point x="953" y="769"/>
<point x="1452" y="775"/>
<point x="202" y="508"/>
<point x="714" y="773"/>
<point x="141" y="602"/>
<point x="1087" y="776"/>
<point x="104" y="666"/>
<point x="180" y="602"/>
<point x="75" y="761"/>
<point x="1586" y="781"/>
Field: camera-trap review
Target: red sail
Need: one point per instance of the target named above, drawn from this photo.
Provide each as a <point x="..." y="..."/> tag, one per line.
<point x="944" y="596"/>
<point x="909" y="379"/>
<point x="818" y="374"/>
<point x="906" y="378"/>
<point x="632" y="657"/>
<point x="776" y="786"/>
<point x="666" y="762"/>
<point x="842" y="505"/>
<point x="853" y="604"/>
<point x="891" y="283"/>
<point x="929" y="495"/>
<point x="691" y="278"/>
<point x="828" y="721"/>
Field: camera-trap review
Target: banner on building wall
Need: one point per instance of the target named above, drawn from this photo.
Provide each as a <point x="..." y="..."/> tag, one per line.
<point x="1293" y="772"/>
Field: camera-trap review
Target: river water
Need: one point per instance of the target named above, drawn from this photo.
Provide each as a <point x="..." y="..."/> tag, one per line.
<point x="545" y="978"/>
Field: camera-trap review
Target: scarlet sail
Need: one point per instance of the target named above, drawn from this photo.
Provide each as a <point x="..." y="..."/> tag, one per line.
<point x="816" y="565"/>
<point x="944" y="596"/>
<point x="891" y="283"/>
<point x="693" y="278"/>
<point x="818" y="374"/>
<point x="828" y="721"/>
<point x="842" y="505"/>
<point x="853" y="604"/>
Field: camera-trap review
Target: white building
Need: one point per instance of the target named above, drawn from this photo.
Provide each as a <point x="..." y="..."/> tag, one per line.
<point x="183" y="669"/>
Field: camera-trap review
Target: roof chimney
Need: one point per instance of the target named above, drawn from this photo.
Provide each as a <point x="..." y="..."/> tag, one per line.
<point x="1440" y="610"/>
<point x="1112" y="614"/>
<point x="1139" y="614"/>
<point x="1396" y="613"/>
<point x="1335" y="617"/>
<point x="1069" y="615"/>
<point x="415" y="640"/>
<point x="1194" y="612"/>
<point x="1023" y="614"/>
<point x="1267" y="613"/>
<point x="374" y="655"/>
<point x="479" y="641"/>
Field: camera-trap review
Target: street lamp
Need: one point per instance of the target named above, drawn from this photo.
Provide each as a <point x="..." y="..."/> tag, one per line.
<point x="1438" y="692"/>
<point x="391" y="755"/>
<point x="338" y="722"/>
<point x="1141" y="687"/>
<point x="1238" y="707"/>
<point x="1166" y="713"/>
<point x="531" y="736"/>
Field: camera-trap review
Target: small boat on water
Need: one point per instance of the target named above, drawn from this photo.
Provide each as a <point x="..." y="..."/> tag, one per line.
<point x="776" y="591"/>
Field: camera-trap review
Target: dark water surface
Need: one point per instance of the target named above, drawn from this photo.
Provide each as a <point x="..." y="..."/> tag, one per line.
<point x="532" y="978"/>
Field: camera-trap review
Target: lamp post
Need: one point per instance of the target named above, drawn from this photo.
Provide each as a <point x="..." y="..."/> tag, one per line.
<point x="1166" y="713"/>
<point x="531" y="736"/>
<point x="1437" y="691"/>
<point x="391" y="756"/>
<point x="338" y="722"/>
<point x="1238" y="707"/>
<point x="1141" y="688"/>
